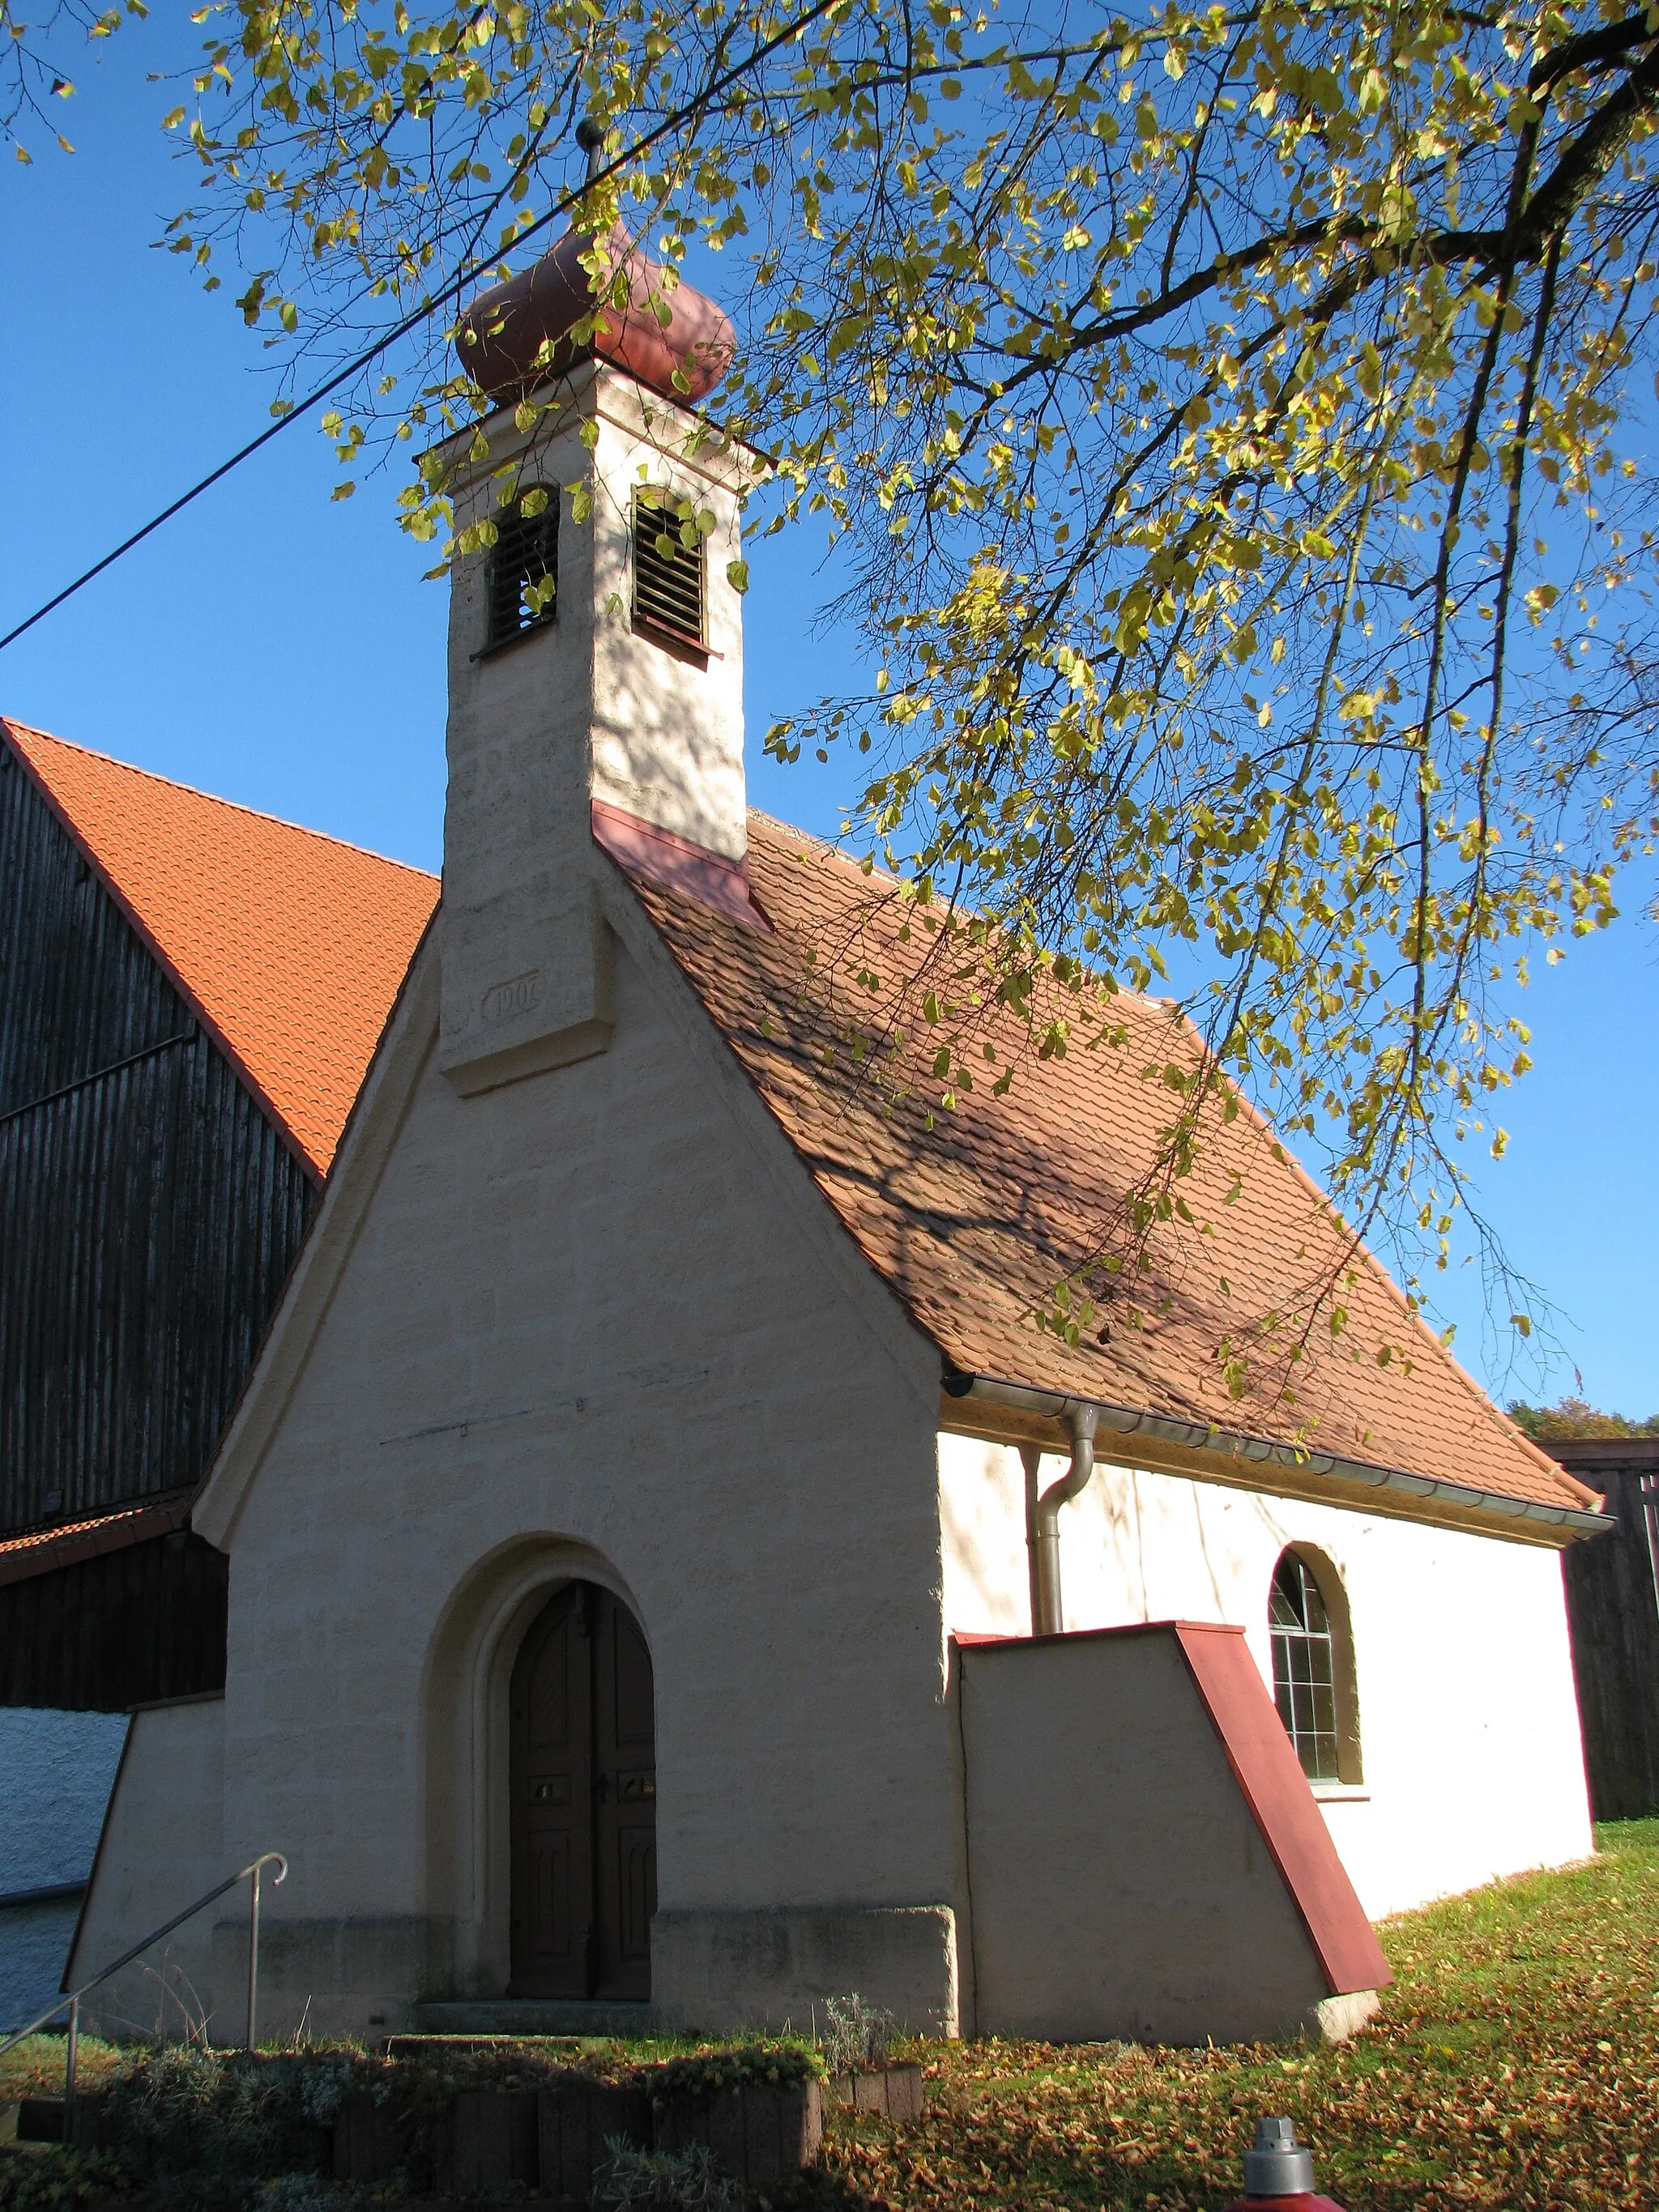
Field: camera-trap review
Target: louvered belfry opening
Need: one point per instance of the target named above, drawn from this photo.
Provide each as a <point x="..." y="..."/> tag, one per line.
<point x="668" y="573"/>
<point x="524" y="566"/>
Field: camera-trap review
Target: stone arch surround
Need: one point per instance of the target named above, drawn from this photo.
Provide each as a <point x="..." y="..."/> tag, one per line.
<point x="466" y="1857"/>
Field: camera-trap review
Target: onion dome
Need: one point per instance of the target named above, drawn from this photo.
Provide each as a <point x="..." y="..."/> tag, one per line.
<point x="517" y="334"/>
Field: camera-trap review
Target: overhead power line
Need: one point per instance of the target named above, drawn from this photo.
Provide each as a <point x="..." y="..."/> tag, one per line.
<point x="428" y="306"/>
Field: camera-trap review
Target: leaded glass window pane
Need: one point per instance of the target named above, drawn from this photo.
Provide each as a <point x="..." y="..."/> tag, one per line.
<point x="1304" y="1671"/>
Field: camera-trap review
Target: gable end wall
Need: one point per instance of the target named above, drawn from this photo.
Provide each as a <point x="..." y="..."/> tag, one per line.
<point x="586" y="1326"/>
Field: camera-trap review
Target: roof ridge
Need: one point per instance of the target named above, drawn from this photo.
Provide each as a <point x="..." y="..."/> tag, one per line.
<point x="792" y="829"/>
<point x="11" y="723"/>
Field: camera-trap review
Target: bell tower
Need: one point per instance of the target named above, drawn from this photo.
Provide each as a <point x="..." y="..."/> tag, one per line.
<point x="595" y="655"/>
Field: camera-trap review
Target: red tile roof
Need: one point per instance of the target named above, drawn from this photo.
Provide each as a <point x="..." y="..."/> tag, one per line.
<point x="974" y="1216"/>
<point x="62" y="1544"/>
<point x="292" y="947"/>
<point x="289" y="946"/>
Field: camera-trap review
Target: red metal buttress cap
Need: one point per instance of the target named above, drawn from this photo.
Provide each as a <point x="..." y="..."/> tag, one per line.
<point x="517" y="334"/>
<point x="1305" y="2202"/>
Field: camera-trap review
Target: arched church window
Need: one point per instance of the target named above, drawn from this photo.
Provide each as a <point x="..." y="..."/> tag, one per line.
<point x="668" y="573"/>
<point x="1313" y="1665"/>
<point x="523" y="565"/>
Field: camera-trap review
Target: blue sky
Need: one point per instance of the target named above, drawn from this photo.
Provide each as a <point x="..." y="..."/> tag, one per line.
<point x="282" y="649"/>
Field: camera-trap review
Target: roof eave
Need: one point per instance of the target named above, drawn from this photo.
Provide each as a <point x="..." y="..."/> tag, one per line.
<point x="1221" y="1449"/>
<point x="43" y="1551"/>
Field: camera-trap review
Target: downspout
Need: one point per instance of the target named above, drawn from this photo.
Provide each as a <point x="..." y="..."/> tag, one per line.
<point x="1042" y="1516"/>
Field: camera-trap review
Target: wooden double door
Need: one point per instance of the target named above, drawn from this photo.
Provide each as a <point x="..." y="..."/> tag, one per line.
<point x="583" y="1801"/>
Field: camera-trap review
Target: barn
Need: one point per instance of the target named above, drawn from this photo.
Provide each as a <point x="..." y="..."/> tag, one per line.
<point x="190" y="993"/>
<point x="1612" y="1612"/>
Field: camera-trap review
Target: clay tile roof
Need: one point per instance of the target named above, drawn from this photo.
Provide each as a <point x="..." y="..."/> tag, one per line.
<point x="972" y="1217"/>
<point x="289" y="946"/>
<point x="63" y="1543"/>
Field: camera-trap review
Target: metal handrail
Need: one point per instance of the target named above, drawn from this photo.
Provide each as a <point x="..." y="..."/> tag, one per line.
<point x="256" y="1872"/>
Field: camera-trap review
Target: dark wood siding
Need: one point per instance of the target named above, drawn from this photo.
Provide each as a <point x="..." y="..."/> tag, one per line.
<point x="1613" y="1613"/>
<point x="146" y="1621"/>
<point x="149" y="1213"/>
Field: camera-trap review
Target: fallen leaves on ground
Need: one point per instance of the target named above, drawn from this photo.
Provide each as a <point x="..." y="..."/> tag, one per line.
<point x="1514" y="2064"/>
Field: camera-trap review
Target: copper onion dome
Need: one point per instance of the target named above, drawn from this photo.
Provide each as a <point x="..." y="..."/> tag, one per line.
<point x="517" y="334"/>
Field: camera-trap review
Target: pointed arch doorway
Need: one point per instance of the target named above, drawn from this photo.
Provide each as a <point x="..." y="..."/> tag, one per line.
<point x="583" y="1783"/>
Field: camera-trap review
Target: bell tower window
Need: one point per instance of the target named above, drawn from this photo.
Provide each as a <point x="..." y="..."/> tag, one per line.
<point x="668" y="573"/>
<point x="524" y="566"/>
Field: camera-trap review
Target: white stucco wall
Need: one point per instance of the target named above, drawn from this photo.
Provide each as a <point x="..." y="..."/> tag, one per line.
<point x="1468" y="1726"/>
<point x="56" y="1769"/>
<point x="595" y="1322"/>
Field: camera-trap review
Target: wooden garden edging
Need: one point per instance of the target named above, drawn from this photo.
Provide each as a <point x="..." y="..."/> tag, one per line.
<point x="576" y="2119"/>
<point x="756" y="2132"/>
<point x="554" y="2140"/>
<point x="895" y="2091"/>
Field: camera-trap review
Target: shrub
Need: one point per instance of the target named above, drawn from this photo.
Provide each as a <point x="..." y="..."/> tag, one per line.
<point x="52" y="2179"/>
<point x="858" y="2038"/>
<point x="306" y="2192"/>
<point x="185" y="2110"/>
<point x="707" y="2074"/>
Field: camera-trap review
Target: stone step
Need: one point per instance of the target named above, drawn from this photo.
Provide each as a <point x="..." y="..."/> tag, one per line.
<point x="509" y="2017"/>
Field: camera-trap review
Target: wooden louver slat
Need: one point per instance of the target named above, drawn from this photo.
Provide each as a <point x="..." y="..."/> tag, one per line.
<point x="524" y="559"/>
<point x="668" y="586"/>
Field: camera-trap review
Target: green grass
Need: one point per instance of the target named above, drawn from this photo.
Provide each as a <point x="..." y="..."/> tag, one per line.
<point x="1514" y="2065"/>
<point x="34" y="2068"/>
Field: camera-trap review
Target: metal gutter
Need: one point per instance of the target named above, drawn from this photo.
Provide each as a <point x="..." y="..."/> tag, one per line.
<point x="1194" y="1436"/>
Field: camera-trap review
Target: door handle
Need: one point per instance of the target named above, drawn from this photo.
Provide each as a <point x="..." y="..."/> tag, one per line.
<point x="602" y="1787"/>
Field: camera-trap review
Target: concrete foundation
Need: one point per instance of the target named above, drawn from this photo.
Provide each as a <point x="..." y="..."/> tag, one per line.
<point x="721" y="1972"/>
